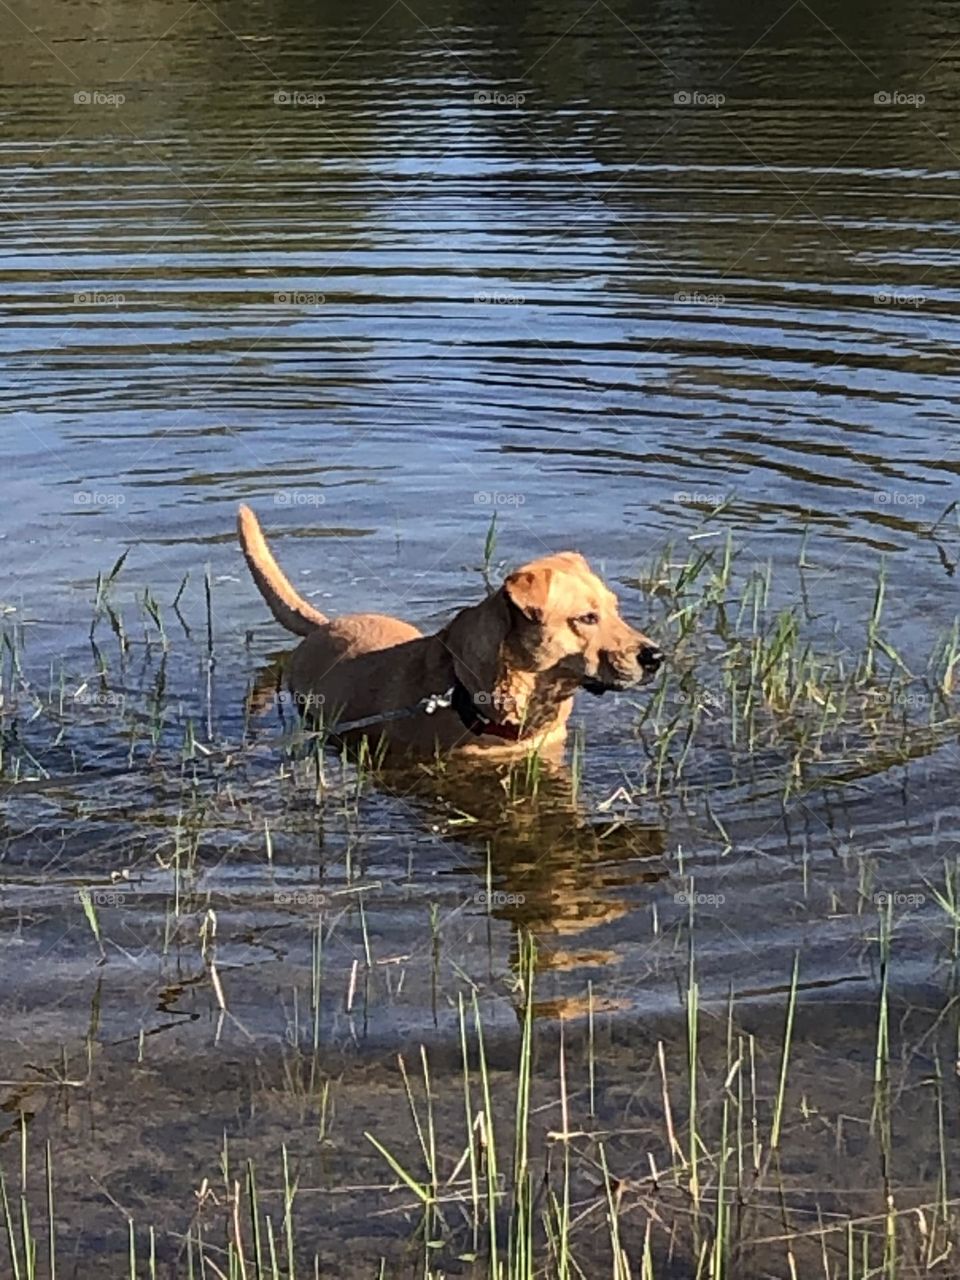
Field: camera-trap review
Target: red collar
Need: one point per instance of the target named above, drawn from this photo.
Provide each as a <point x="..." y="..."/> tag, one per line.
<point x="477" y="723"/>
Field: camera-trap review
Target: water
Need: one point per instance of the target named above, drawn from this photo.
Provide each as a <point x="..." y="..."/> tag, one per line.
<point x="379" y="316"/>
<point x="382" y="273"/>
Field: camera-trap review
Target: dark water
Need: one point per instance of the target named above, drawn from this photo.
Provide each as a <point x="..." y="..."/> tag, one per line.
<point x="372" y="315"/>
<point x="380" y="271"/>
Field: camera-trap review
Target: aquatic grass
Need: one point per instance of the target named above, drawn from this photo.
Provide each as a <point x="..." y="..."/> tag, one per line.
<point x="747" y="681"/>
<point x="521" y="1248"/>
<point x="90" y="912"/>
<point x="785" y="1057"/>
<point x="693" y="1027"/>
<point x="555" y="1238"/>
<point x="489" y="550"/>
<point x="723" y="1174"/>
<point x="535" y="1167"/>
<point x="737" y="671"/>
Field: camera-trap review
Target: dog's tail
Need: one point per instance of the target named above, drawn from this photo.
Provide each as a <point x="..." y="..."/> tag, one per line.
<point x="289" y="609"/>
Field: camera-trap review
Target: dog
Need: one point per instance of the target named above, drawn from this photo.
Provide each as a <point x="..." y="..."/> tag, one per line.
<point x="502" y="673"/>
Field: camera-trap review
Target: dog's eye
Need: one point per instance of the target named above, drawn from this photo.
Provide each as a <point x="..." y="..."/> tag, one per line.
<point x="588" y="619"/>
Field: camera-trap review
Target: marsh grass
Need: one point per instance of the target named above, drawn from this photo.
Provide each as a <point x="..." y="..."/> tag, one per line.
<point x="533" y="1185"/>
<point x="521" y="1159"/>
<point x="748" y="683"/>
<point x="745" y="674"/>
<point x="698" y="1214"/>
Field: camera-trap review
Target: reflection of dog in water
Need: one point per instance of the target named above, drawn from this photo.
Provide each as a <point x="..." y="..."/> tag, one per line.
<point x="548" y="864"/>
<point x="551" y="866"/>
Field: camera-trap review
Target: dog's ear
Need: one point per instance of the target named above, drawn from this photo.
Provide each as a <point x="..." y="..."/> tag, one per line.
<point x="574" y="559"/>
<point x="527" y="590"/>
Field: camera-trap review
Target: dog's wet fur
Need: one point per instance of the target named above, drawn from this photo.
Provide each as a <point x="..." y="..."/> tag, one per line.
<point x="552" y="628"/>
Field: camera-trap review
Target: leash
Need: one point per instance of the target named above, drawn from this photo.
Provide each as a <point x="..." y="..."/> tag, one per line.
<point x="431" y="703"/>
<point x="458" y="698"/>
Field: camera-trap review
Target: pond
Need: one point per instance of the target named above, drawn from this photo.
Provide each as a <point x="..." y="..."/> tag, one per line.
<point x="438" y="289"/>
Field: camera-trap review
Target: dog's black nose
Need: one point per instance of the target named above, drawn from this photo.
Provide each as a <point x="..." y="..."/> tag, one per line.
<point x="650" y="657"/>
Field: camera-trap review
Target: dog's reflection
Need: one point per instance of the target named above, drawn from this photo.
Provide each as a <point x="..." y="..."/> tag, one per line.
<point x="545" y="861"/>
<point x="549" y="867"/>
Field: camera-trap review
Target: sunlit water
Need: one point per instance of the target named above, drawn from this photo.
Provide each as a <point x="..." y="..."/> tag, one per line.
<point x="382" y="274"/>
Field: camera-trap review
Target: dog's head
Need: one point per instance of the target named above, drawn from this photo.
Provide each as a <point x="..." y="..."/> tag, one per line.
<point x="553" y="627"/>
<point x="566" y="620"/>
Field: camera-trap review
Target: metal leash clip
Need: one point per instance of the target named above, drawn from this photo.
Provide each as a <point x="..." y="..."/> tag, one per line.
<point x="438" y="701"/>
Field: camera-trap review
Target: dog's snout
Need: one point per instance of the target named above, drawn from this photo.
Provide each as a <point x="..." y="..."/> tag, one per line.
<point x="650" y="657"/>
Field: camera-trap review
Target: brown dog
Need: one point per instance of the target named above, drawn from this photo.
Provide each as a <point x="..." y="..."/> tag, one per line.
<point x="511" y="663"/>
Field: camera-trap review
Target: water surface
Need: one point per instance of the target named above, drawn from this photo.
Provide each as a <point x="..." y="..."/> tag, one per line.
<point x="382" y="272"/>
